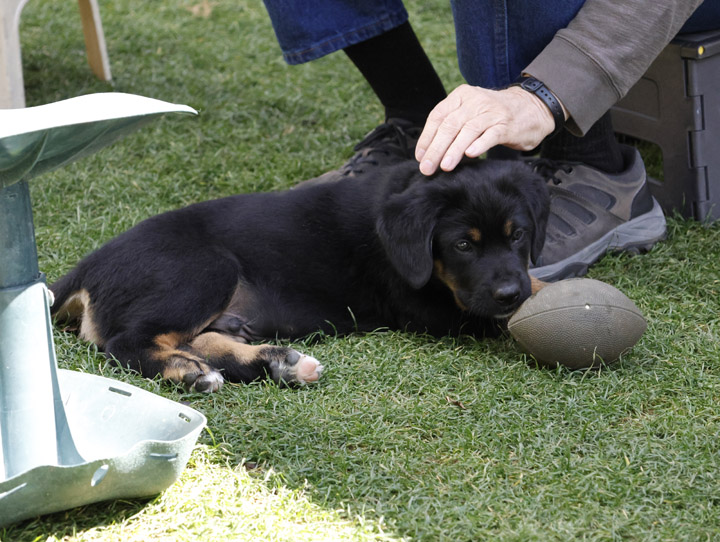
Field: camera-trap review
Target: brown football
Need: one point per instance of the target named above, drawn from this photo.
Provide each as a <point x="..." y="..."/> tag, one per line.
<point x="578" y="323"/>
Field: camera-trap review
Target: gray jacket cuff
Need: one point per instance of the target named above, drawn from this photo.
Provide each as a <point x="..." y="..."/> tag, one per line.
<point x="582" y="86"/>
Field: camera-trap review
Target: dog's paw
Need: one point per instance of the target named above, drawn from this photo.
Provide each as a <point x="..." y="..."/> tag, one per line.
<point x="208" y="381"/>
<point x="292" y="367"/>
<point x="308" y="369"/>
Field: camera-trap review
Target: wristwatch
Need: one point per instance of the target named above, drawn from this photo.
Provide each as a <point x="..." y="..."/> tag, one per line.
<point x="538" y="88"/>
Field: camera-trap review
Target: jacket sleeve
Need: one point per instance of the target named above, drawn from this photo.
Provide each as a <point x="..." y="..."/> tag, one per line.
<point x="605" y="49"/>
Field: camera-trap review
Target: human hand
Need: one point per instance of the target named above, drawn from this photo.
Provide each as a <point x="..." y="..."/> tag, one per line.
<point x="472" y="120"/>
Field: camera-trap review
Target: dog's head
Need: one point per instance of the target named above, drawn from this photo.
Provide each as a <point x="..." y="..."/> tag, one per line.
<point x="475" y="230"/>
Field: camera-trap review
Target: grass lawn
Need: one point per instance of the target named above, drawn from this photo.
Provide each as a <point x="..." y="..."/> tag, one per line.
<point x="405" y="437"/>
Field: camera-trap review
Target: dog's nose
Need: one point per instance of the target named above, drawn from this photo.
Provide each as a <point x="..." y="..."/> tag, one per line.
<point x="506" y="294"/>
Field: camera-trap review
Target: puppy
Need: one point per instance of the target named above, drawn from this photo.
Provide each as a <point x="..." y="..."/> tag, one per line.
<point x="185" y="293"/>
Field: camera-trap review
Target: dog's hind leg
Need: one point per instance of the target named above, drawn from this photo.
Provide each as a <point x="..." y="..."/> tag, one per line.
<point x="167" y="355"/>
<point x="202" y="363"/>
<point x="241" y="362"/>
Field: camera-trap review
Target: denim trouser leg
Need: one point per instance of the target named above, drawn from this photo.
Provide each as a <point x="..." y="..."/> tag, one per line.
<point x="706" y="17"/>
<point x="496" y="39"/>
<point x="309" y="29"/>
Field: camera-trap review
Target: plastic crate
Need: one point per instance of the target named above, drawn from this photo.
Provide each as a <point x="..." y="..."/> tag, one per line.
<point x="676" y="105"/>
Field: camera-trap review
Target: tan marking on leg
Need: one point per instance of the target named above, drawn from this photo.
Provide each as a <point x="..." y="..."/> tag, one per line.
<point x="475" y="234"/>
<point x="184" y="366"/>
<point x="78" y="309"/>
<point x="449" y="281"/>
<point x="177" y="365"/>
<point x="212" y="345"/>
<point x="168" y="345"/>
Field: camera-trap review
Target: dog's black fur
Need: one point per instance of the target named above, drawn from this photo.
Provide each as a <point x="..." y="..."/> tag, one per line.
<point x="181" y="293"/>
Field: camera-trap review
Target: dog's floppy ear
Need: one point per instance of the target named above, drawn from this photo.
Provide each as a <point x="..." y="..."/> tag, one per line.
<point x="405" y="227"/>
<point x="538" y="201"/>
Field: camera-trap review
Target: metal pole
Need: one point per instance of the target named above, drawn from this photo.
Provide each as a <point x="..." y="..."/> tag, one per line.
<point x="28" y="432"/>
<point x="18" y="253"/>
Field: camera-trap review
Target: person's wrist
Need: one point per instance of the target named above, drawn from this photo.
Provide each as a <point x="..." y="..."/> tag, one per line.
<point x="542" y="93"/>
<point x="538" y="118"/>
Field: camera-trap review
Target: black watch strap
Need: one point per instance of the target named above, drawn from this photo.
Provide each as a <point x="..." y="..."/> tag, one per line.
<point x="549" y="99"/>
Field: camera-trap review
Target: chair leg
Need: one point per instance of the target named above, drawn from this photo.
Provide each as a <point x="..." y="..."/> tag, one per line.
<point x="12" y="89"/>
<point x="95" y="39"/>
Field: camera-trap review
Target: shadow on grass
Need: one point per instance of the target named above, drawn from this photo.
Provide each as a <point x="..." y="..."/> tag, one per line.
<point x="65" y="524"/>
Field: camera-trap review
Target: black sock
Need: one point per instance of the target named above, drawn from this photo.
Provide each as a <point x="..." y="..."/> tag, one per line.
<point x="598" y="148"/>
<point x="400" y="73"/>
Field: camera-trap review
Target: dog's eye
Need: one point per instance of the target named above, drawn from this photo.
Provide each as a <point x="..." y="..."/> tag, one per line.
<point x="463" y="245"/>
<point x="517" y="235"/>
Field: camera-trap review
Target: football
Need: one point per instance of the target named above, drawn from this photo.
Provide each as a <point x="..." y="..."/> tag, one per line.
<point x="579" y="323"/>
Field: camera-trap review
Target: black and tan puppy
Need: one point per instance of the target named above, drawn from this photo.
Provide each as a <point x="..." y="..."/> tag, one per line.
<point x="183" y="293"/>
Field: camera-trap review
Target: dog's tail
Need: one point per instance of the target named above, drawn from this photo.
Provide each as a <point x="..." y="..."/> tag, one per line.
<point x="68" y="305"/>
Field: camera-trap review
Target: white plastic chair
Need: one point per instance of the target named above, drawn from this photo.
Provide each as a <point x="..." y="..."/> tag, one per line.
<point x="12" y="90"/>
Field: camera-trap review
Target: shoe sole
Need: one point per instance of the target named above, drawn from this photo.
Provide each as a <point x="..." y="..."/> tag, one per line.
<point x="637" y="235"/>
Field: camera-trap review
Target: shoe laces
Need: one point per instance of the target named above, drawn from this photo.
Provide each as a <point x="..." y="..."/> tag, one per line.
<point x="388" y="138"/>
<point x="548" y="168"/>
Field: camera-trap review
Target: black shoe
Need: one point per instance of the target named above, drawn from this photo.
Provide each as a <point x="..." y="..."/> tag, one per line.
<point x="391" y="142"/>
<point x="592" y="213"/>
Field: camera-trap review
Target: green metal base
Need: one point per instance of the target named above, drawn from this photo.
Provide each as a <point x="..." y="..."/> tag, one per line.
<point x="66" y="438"/>
<point x="123" y="442"/>
<point x="32" y="428"/>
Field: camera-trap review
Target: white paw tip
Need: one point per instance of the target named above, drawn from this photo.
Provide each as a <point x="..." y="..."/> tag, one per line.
<point x="308" y="369"/>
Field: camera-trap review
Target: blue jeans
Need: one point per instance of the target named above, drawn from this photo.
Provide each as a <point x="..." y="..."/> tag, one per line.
<point x="496" y="39"/>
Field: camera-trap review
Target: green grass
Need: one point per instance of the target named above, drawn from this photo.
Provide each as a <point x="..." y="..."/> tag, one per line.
<point x="405" y="437"/>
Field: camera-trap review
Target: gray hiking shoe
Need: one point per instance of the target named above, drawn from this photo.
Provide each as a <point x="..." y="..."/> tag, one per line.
<point x="391" y="142"/>
<point x="592" y="213"/>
